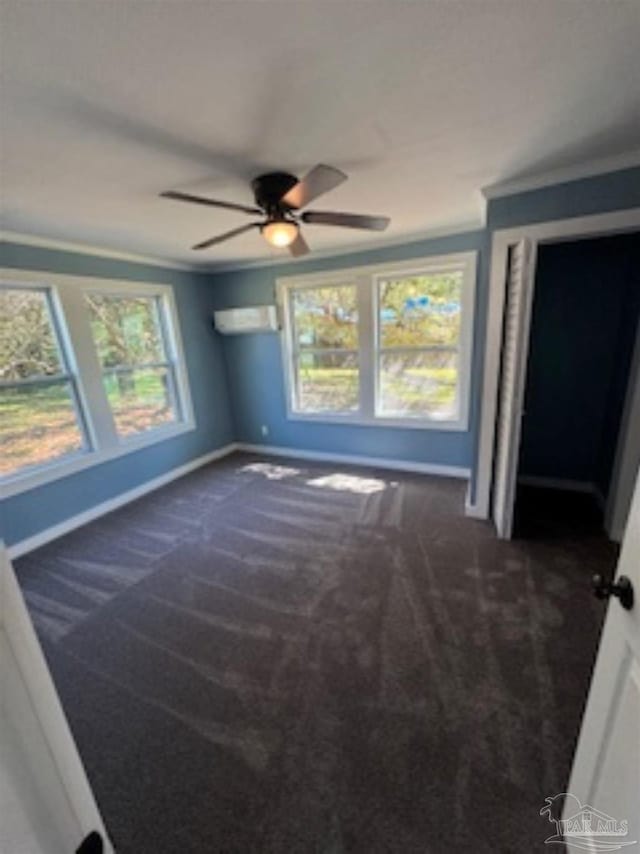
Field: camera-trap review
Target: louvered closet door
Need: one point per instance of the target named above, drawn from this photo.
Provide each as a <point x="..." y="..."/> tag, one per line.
<point x="512" y="379"/>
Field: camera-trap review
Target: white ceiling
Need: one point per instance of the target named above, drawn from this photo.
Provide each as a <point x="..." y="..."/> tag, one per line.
<point x="106" y="104"/>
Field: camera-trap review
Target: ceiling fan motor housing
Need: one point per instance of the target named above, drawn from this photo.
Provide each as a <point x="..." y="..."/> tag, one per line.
<point x="268" y="190"/>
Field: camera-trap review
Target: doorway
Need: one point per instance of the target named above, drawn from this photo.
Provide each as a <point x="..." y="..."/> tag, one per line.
<point x="483" y="486"/>
<point x="580" y="374"/>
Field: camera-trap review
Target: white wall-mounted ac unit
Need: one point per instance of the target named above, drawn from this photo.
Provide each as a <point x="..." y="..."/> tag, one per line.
<point x="260" y="318"/>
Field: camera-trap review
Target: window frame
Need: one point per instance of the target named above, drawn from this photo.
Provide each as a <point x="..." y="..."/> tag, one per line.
<point x="170" y="363"/>
<point x="66" y="376"/>
<point x="66" y="294"/>
<point x="296" y="351"/>
<point x="366" y="280"/>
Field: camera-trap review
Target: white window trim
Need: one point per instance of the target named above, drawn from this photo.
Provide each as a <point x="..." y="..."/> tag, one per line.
<point x="73" y="326"/>
<point x="365" y="280"/>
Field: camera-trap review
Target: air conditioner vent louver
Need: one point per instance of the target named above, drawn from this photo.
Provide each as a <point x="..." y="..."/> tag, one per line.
<point x="234" y="321"/>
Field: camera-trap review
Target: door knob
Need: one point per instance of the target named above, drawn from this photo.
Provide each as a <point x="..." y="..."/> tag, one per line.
<point x="623" y="589"/>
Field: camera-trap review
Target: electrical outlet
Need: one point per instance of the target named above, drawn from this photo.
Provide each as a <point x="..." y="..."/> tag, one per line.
<point x="264" y="430"/>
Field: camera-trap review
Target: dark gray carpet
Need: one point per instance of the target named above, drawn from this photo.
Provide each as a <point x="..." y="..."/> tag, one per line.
<point x="274" y="656"/>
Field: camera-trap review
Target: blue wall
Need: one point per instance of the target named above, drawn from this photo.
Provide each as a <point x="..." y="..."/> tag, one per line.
<point x="256" y="377"/>
<point x="254" y="362"/>
<point x="254" y="394"/>
<point x="37" y="509"/>
<point x="599" y="194"/>
<point x="585" y="313"/>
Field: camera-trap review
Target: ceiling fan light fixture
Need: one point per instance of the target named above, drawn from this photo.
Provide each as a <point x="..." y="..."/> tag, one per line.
<point x="280" y="232"/>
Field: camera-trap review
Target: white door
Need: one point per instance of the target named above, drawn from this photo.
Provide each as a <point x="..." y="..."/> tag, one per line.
<point x="606" y="767"/>
<point x="627" y="459"/>
<point x="515" y="345"/>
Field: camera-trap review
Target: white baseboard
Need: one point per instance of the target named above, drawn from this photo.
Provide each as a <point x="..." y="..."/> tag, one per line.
<point x="356" y="459"/>
<point x="55" y="531"/>
<point x="472" y="510"/>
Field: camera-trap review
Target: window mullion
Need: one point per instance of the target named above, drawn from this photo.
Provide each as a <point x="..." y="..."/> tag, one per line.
<point x="172" y="349"/>
<point x="84" y="364"/>
<point x="366" y="340"/>
<point x="325" y="351"/>
<point x="173" y="391"/>
<point x="428" y="348"/>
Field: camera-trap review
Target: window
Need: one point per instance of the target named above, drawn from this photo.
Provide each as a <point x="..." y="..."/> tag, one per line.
<point x="325" y="348"/>
<point x="138" y="378"/>
<point x="40" y="414"/>
<point x="419" y="345"/>
<point x="89" y="369"/>
<point x="381" y="345"/>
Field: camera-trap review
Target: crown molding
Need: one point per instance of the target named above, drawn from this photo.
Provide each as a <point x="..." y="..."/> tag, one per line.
<point x="492" y="191"/>
<point x="222" y="267"/>
<point x="88" y="249"/>
<point x="561" y="176"/>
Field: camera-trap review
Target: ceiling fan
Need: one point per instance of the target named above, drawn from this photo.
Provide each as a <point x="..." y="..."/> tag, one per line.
<point x="279" y="197"/>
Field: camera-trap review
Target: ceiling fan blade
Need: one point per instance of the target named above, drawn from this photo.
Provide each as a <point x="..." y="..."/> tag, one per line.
<point x="201" y="200"/>
<point x="299" y="246"/>
<point x="226" y="236"/>
<point x="319" y="180"/>
<point x="346" y="220"/>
